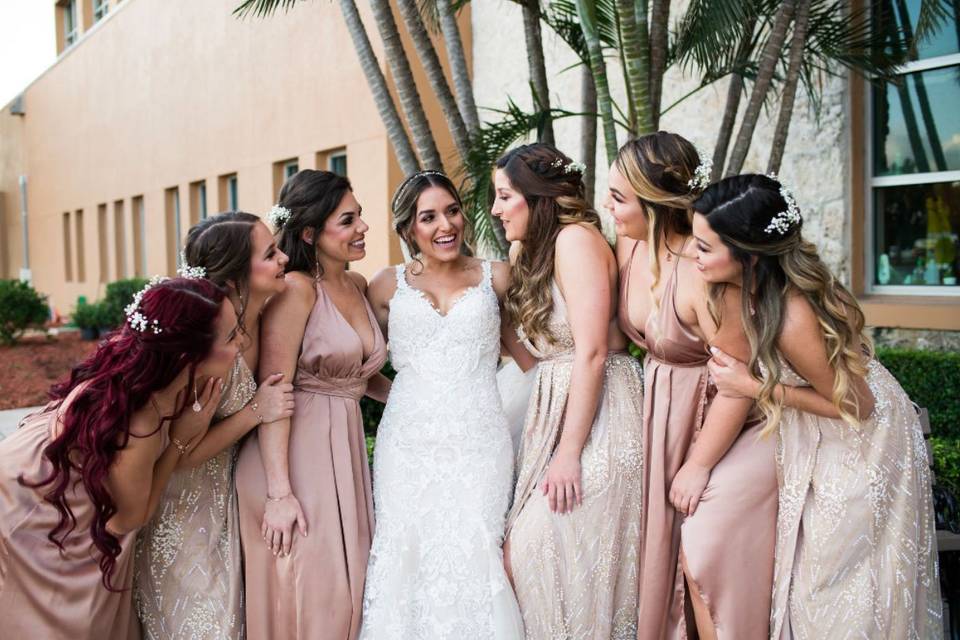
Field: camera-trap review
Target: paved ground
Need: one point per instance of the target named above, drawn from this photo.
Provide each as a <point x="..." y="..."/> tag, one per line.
<point x="10" y="419"/>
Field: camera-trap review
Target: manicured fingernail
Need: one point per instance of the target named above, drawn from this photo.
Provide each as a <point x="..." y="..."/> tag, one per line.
<point x="714" y="350"/>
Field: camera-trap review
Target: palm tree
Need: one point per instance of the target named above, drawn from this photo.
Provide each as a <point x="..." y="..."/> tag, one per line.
<point x="587" y="14"/>
<point x="588" y="131"/>
<point x="659" y="27"/>
<point x="635" y="54"/>
<point x="537" y="66"/>
<point x="797" y="44"/>
<point x="447" y="15"/>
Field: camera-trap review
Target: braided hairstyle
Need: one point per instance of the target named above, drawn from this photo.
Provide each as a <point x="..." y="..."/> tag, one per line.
<point x="660" y="167"/>
<point x="775" y="264"/>
<point x="553" y="187"/>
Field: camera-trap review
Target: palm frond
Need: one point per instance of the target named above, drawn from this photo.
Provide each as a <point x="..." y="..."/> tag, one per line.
<point x="706" y="35"/>
<point x="561" y="17"/>
<point x="933" y="15"/>
<point x="262" y="8"/>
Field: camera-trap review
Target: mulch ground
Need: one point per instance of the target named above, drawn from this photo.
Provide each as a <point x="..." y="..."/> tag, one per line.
<point x="28" y="368"/>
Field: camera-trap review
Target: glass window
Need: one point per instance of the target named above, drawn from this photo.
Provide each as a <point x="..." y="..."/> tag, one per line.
<point x="338" y="164"/>
<point x="915" y="163"/>
<point x="69" y="22"/>
<point x="232" y="198"/>
<point x="202" y="197"/>
<point x="290" y="168"/>
<point x="100" y="8"/>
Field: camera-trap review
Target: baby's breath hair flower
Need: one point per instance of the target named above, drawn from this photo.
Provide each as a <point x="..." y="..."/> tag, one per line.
<point x="278" y="215"/>
<point x="782" y="222"/>
<point x="186" y="271"/>
<point x="135" y="317"/>
<point x="570" y="167"/>
<point x="701" y="177"/>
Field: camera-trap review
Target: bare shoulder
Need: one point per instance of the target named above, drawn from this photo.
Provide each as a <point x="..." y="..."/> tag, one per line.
<point x="382" y="286"/>
<point x="580" y="243"/>
<point x="800" y="321"/>
<point x="358" y="280"/>
<point x="624" y="249"/>
<point x="300" y="290"/>
<point x="501" y="277"/>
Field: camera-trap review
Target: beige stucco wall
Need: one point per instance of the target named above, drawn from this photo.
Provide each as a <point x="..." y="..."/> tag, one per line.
<point x="162" y="94"/>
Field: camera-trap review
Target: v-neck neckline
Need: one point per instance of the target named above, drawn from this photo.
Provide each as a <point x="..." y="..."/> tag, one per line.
<point x="420" y="293"/>
<point x="364" y="356"/>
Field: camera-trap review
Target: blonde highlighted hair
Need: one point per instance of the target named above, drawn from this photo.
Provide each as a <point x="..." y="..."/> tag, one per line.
<point x="555" y="196"/>
<point x="775" y="266"/>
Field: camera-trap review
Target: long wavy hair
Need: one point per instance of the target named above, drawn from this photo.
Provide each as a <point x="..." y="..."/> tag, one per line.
<point x="115" y="382"/>
<point x="403" y="206"/>
<point x="223" y="246"/>
<point x="659" y="168"/>
<point x="311" y="197"/>
<point x="555" y="197"/>
<point x="775" y="266"/>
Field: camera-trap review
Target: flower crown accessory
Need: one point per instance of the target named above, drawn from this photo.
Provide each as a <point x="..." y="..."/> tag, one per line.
<point x="186" y="271"/>
<point x="571" y="167"/>
<point x="278" y="215"/>
<point x="701" y="177"/>
<point x="406" y="184"/>
<point x="135" y="317"/>
<point x="782" y="222"/>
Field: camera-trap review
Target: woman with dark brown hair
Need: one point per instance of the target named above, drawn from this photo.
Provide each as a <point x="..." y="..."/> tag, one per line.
<point x="303" y="482"/>
<point x="710" y="490"/>
<point x="573" y="533"/>
<point x="189" y="573"/>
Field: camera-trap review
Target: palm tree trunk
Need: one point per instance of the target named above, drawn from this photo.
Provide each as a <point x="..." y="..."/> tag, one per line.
<point x="768" y="64"/>
<point x="434" y="72"/>
<point x="636" y="57"/>
<point x="797" y="44"/>
<point x="587" y="14"/>
<point x="734" y="93"/>
<point x="406" y="87"/>
<point x="588" y="131"/>
<point x="537" y="65"/>
<point x="378" y="86"/>
<point x="659" y="31"/>
<point x="458" y="66"/>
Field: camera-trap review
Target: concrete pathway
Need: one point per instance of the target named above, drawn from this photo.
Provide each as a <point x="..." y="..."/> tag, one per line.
<point x="11" y="418"/>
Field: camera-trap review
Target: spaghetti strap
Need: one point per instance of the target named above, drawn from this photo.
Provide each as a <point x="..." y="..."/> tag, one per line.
<point x="401" y="278"/>
<point x="487" y="280"/>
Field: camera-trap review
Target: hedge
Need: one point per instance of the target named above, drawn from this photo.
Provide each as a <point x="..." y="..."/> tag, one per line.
<point x="21" y="307"/>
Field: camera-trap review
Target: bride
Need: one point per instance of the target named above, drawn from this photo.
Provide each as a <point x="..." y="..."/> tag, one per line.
<point x="443" y="467"/>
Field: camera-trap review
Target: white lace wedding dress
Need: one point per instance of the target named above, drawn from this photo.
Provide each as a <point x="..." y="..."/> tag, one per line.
<point x="442" y="477"/>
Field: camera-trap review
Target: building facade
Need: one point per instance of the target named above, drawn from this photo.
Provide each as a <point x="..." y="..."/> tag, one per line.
<point x="877" y="175"/>
<point x="157" y="114"/>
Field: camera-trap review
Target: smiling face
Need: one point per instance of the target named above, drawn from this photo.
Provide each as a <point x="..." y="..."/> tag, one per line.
<point x="438" y="225"/>
<point x="622" y="203"/>
<point x="511" y="207"/>
<point x="342" y="236"/>
<point x="226" y="343"/>
<point x="266" y="262"/>
<point x="715" y="261"/>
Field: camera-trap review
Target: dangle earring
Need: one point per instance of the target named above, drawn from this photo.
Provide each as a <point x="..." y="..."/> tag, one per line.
<point x="196" y="401"/>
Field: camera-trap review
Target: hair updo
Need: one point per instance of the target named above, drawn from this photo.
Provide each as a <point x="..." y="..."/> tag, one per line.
<point x="311" y="196"/>
<point x="777" y="263"/>
<point x="404" y="207"/>
<point x="552" y="185"/>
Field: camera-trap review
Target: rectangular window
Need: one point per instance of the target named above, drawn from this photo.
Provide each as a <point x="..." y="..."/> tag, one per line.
<point x="80" y="246"/>
<point x="228" y="192"/>
<point x="283" y="171"/>
<point x="103" y="248"/>
<point x="337" y="163"/>
<point x="914" y="221"/>
<point x="198" y="201"/>
<point x="69" y="22"/>
<point x="120" y="239"/>
<point x="172" y="205"/>
<point x="67" y="248"/>
<point x="138" y="217"/>
<point x="100" y="8"/>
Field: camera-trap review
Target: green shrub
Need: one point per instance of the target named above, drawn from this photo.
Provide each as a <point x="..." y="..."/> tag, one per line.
<point x="946" y="462"/>
<point x="86" y="315"/>
<point x="932" y="380"/>
<point x="119" y="294"/>
<point x="20" y="307"/>
<point x="371" y="410"/>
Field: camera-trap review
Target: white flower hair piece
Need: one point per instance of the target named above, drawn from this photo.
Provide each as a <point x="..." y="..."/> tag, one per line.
<point x="701" y="177"/>
<point x="571" y="167"/>
<point x="278" y="216"/>
<point x="186" y="271"/>
<point x="135" y="317"/>
<point x="782" y="222"/>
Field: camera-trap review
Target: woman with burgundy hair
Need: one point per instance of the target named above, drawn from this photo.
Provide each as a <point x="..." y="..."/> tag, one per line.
<point x="78" y="479"/>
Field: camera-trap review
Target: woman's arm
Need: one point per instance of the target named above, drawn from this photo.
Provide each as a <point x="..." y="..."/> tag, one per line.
<point x="378" y="388"/>
<point x="726" y="415"/>
<point x="281" y="334"/>
<point x="379" y="292"/>
<point x="508" y="333"/>
<point x="582" y="259"/>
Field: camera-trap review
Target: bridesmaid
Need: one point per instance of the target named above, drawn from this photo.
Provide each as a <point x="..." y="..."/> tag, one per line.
<point x="309" y="473"/>
<point x="573" y="533"/>
<point x="188" y="581"/>
<point x="710" y="489"/>
<point x="856" y="546"/>
<point x="78" y="479"/>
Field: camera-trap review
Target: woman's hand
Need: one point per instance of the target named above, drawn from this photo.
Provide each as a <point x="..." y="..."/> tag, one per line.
<point x="274" y="399"/>
<point x="188" y="429"/>
<point x="562" y="482"/>
<point x="279" y="516"/>
<point x="731" y="376"/>
<point x="687" y="487"/>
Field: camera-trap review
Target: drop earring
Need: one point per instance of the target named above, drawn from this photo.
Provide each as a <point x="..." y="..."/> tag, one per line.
<point x="196" y="401"/>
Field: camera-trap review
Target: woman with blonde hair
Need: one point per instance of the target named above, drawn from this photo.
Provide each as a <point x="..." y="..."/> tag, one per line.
<point x="856" y="548"/>
<point x="709" y="491"/>
<point x="573" y="533"/>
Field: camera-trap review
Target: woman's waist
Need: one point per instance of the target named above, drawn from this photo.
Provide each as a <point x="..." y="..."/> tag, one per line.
<point x="349" y="386"/>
